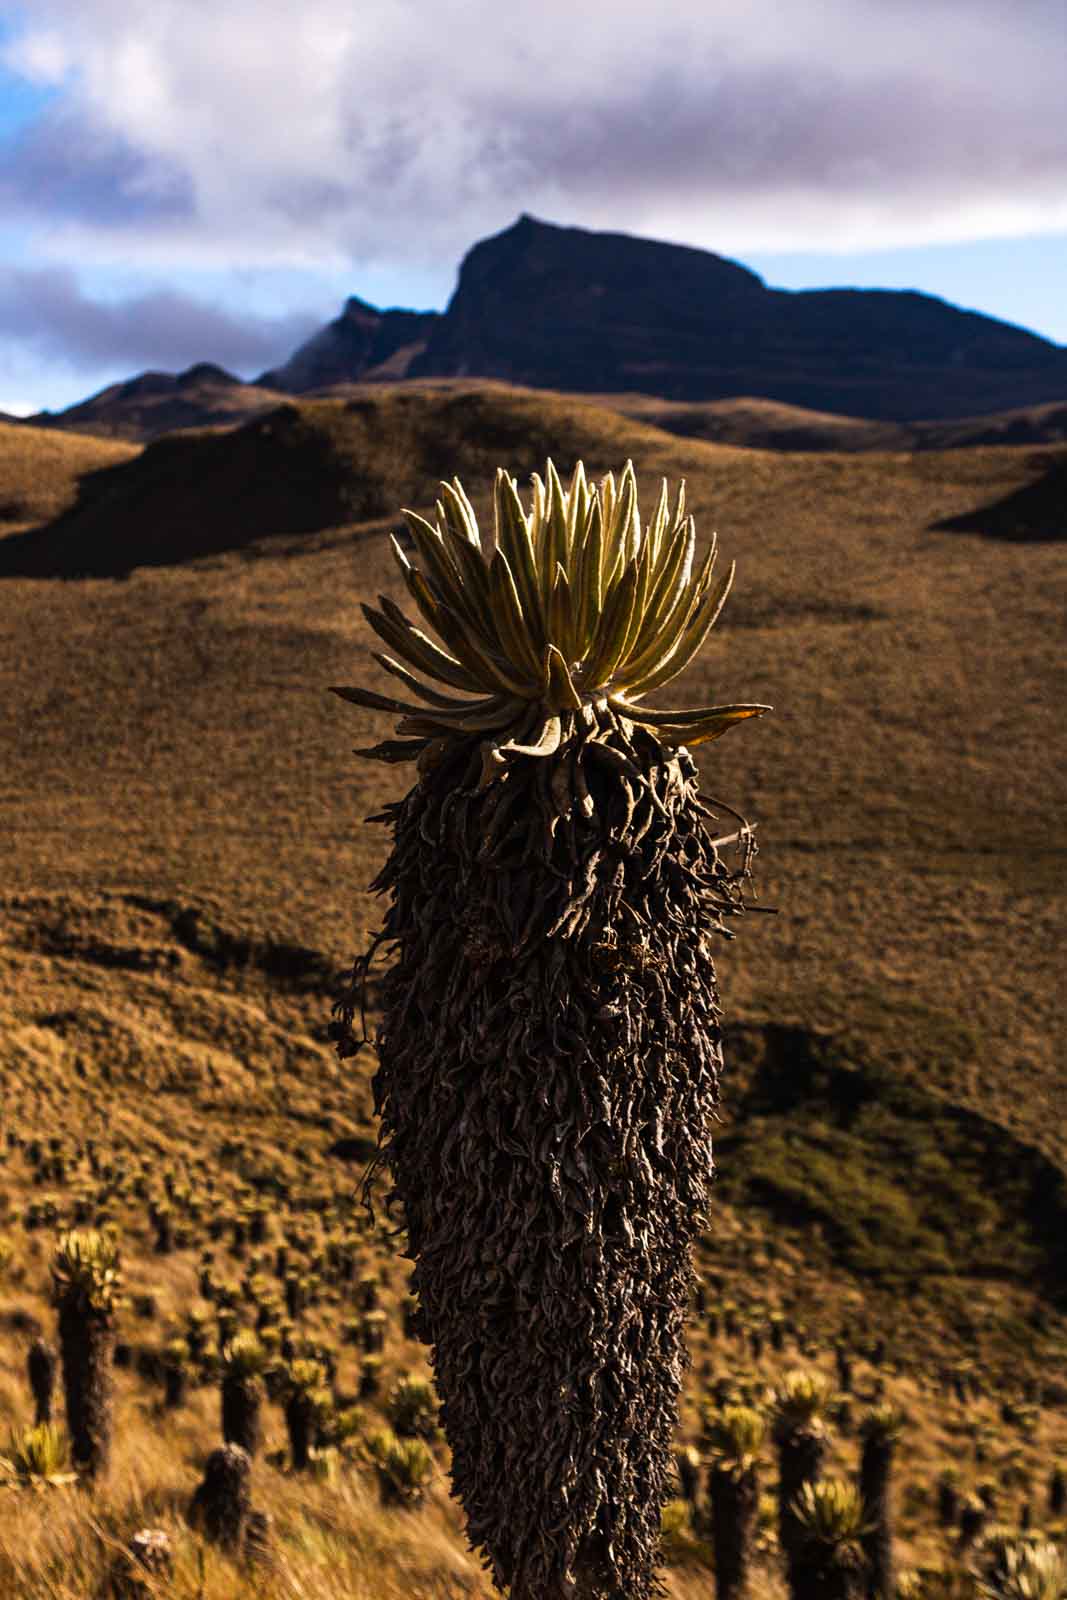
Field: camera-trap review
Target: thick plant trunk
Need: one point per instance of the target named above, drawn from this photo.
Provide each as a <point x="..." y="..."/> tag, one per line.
<point x="816" y="1574"/>
<point x="300" y="1425"/>
<point x="877" y="1542"/>
<point x="41" y="1370"/>
<point x="175" y="1387"/>
<point x="223" y="1502"/>
<point x="734" y="1507"/>
<point x="242" y="1402"/>
<point x="547" y="1086"/>
<point x="87" y="1346"/>
<point x="800" y="1458"/>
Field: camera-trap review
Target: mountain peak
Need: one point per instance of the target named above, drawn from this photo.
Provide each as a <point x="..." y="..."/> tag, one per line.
<point x="567" y="308"/>
<point x="585" y="248"/>
<point x="206" y="372"/>
<point x="551" y="306"/>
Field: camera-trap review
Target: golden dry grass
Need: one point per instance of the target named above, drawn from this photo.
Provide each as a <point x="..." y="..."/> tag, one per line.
<point x="170" y="749"/>
<point x="756" y="423"/>
<point x="761" y="424"/>
<point x="40" y="469"/>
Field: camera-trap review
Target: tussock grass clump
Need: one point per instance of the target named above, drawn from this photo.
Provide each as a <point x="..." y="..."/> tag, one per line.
<point x="37" y="1457"/>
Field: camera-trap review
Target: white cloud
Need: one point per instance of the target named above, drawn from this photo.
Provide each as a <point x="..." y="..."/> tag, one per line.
<point x="40" y="55"/>
<point x="229" y="132"/>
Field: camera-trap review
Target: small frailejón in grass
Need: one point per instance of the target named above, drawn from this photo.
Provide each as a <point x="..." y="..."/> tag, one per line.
<point x="735" y="1437"/>
<point x="549" y="1045"/>
<point x="41" y="1370"/>
<point x="243" y="1391"/>
<point x="800" y="1407"/>
<point x="86" y="1290"/>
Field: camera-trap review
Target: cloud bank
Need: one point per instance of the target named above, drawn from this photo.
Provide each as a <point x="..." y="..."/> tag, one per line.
<point x="46" y="309"/>
<point x="198" y="143"/>
<point x="208" y="131"/>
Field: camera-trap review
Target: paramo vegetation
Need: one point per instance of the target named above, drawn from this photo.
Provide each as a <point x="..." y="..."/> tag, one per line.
<point x="213" y="1374"/>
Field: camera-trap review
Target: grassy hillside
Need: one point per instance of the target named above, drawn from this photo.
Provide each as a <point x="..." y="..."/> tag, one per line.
<point x="144" y="408"/>
<point x="771" y="425"/>
<point x="310" y="466"/>
<point x="40" y="471"/>
<point x="185" y="878"/>
<point x="751" y="422"/>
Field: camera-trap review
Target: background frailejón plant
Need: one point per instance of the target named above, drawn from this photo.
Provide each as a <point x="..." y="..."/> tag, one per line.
<point x="550" y="1043"/>
<point x="828" y="1562"/>
<point x="800" y="1433"/>
<point x="244" y="1360"/>
<point x="86" y="1289"/>
<point x="735" y="1440"/>
<point x="880" y="1430"/>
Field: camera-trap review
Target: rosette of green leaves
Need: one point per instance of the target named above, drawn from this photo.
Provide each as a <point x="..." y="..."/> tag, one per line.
<point x="831" y="1514"/>
<point x="573" y="606"/>
<point x="404" y="1466"/>
<point x="802" y="1398"/>
<point x="735" y="1437"/>
<point x="245" y="1356"/>
<point x="1024" y="1569"/>
<point x="86" y="1270"/>
<point x="884" y="1424"/>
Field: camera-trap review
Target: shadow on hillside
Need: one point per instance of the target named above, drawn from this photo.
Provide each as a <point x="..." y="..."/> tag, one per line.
<point x="1034" y="514"/>
<point x="303" y="469"/>
<point x="904" y="1186"/>
<point x="196" y="494"/>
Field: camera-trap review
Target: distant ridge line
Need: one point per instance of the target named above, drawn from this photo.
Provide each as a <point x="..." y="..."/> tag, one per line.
<point x="579" y="312"/>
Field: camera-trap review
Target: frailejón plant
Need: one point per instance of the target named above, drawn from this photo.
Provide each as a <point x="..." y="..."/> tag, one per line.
<point x="550" y="1041"/>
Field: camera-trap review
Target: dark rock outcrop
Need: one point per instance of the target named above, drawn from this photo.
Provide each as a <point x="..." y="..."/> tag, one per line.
<point x="565" y="308"/>
<point x="361" y="343"/>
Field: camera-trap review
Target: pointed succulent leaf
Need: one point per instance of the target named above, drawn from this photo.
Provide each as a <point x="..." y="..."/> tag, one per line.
<point x="391" y="625"/>
<point x="561" y="690"/>
<point x="431" y="696"/>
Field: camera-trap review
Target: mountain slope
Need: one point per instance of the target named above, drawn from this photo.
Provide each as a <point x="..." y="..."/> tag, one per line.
<point x="361" y="343"/>
<point x="609" y="313"/>
<point x="313" y="465"/>
<point x="41" y="470"/>
<point x="157" y="402"/>
<point x="191" y="868"/>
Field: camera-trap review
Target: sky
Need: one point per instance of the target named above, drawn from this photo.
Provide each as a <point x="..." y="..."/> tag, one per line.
<point x="185" y="180"/>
